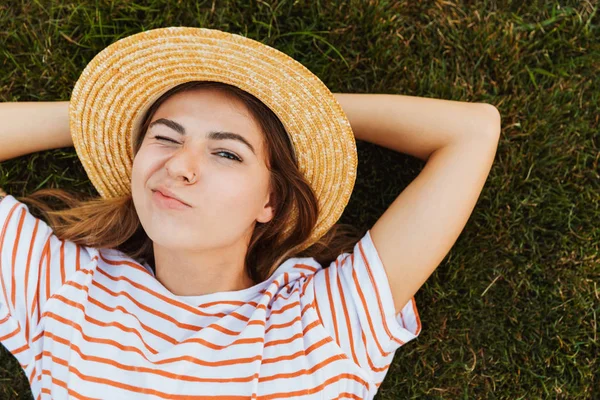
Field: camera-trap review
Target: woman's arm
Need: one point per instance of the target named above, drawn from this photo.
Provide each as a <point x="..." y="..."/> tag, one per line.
<point x="29" y="127"/>
<point x="415" y="125"/>
<point x="459" y="142"/>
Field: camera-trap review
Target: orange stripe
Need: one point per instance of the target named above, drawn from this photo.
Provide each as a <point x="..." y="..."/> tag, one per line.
<point x="36" y="338"/>
<point x="228" y="302"/>
<point x="346" y="315"/>
<point x="416" y="312"/>
<point x="62" y="262"/>
<point x="13" y="289"/>
<point x="281" y="295"/>
<point x="284" y="308"/>
<point x="316" y="307"/>
<point x="20" y="349"/>
<point x="13" y="333"/>
<point x="301" y="372"/>
<point x="366" y="310"/>
<point x="58" y="382"/>
<point x="78" y="259"/>
<point x="331" y="305"/>
<point x="302" y="352"/>
<point x="369" y="361"/>
<point x="383" y="318"/>
<point x="120" y="262"/>
<point x="346" y="395"/>
<point x="4" y="228"/>
<point x="32" y="374"/>
<point x="283" y="324"/>
<point x="275" y="326"/>
<point x="304" y="266"/>
<point x="124" y="386"/>
<point x="48" y="266"/>
<point x="31" y="244"/>
<point x="316" y="388"/>
<point x="36" y="296"/>
<point x="306" y="283"/>
<point x="293" y="337"/>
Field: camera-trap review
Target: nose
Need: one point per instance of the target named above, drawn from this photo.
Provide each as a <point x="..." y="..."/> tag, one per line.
<point x="183" y="164"/>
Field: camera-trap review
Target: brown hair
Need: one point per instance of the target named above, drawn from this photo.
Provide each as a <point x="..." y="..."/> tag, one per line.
<point x="114" y="223"/>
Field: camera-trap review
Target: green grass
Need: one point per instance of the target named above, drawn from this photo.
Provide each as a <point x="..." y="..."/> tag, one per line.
<point x="513" y="311"/>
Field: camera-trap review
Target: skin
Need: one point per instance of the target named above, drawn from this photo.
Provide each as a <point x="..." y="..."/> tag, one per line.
<point x="201" y="249"/>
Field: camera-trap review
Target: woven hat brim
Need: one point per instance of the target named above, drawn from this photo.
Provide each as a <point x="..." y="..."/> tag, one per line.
<point x="122" y="81"/>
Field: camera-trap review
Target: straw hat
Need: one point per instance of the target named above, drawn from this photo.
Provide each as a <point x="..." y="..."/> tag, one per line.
<point x="123" y="80"/>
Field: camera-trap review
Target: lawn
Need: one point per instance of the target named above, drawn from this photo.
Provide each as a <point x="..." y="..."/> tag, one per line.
<point x="513" y="310"/>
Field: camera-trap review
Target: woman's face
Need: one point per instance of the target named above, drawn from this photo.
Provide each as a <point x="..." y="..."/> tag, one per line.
<point x="225" y="197"/>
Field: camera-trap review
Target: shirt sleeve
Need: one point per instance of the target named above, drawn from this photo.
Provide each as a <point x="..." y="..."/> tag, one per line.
<point x="34" y="264"/>
<point x="355" y="304"/>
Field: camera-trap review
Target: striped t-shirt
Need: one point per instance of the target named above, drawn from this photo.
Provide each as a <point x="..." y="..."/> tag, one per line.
<point x="89" y="323"/>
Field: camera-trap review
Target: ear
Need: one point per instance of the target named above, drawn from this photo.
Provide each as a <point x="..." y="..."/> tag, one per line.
<point x="267" y="212"/>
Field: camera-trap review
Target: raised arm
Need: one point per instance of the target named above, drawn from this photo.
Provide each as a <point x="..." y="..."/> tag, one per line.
<point x="29" y="127"/>
<point x="459" y="141"/>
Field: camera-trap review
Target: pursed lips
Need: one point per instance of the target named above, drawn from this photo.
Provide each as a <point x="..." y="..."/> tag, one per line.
<point x="167" y="193"/>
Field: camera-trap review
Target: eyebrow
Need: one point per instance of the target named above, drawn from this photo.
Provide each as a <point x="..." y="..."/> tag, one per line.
<point x="216" y="135"/>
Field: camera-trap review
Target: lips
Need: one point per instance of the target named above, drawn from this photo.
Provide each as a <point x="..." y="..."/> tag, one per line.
<point x="167" y="193"/>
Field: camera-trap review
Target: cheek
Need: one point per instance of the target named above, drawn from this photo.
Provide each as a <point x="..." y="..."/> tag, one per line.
<point x="238" y="193"/>
<point x="143" y="164"/>
<point x="137" y="171"/>
<point x="141" y="171"/>
<point x="137" y="184"/>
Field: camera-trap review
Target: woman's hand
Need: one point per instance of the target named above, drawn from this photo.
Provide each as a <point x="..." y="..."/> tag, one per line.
<point x="2" y="193"/>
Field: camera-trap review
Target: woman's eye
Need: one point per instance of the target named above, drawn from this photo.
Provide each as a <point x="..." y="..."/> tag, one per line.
<point x="236" y="158"/>
<point x="165" y="138"/>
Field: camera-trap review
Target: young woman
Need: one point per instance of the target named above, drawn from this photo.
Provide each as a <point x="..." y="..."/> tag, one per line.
<point x="198" y="281"/>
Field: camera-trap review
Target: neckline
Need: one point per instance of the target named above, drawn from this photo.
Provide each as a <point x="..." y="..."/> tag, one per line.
<point x="232" y="295"/>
